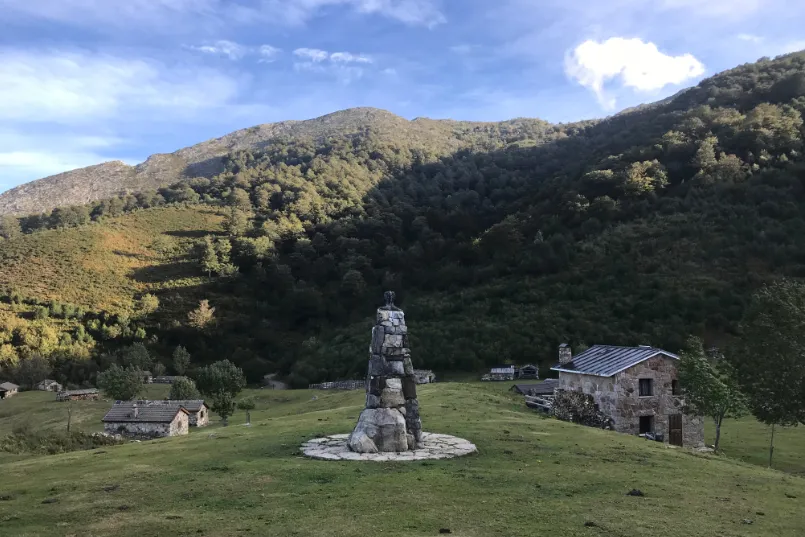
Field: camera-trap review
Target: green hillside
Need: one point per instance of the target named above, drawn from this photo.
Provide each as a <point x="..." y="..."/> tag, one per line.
<point x="502" y="240"/>
<point x="532" y="475"/>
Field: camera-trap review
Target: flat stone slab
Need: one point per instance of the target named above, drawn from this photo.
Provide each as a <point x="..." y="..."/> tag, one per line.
<point x="435" y="446"/>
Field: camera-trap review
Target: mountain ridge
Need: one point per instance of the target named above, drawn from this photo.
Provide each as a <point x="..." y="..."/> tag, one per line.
<point x="114" y="178"/>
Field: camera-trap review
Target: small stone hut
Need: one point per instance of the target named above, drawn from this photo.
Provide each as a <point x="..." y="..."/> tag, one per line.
<point x="636" y="387"/>
<point x="89" y="394"/>
<point x="146" y="420"/>
<point x="424" y="376"/>
<point x="49" y="385"/>
<point x="7" y="389"/>
<point x="198" y="411"/>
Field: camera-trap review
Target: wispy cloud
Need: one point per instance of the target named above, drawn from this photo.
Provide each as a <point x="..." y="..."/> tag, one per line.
<point x="59" y="86"/>
<point x="312" y="54"/>
<point x="24" y="157"/>
<point x="637" y="64"/>
<point x="750" y="38"/>
<point x="236" y="51"/>
<point x="346" y="67"/>
<point x="268" y="53"/>
<point x="315" y="55"/>
<point x="169" y="16"/>
<point x="412" y="12"/>
<point x="230" y="49"/>
<point x="346" y="57"/>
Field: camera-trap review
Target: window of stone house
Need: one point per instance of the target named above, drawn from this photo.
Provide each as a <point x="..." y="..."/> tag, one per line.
<point x="674" y="387"/>
<point x="646" y="424"/>
<point x="646" y="387"/>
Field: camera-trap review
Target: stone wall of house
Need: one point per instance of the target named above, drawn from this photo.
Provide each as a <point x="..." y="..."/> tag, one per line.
<point x="601" y="388"/>
<point x="619" y="398"/>
<point x="178" y="426"/>
<point x="200" y="418"/>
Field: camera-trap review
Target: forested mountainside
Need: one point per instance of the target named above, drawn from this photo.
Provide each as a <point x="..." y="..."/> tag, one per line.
<point x="112" y="179"/>
<point x="640" y="229"/>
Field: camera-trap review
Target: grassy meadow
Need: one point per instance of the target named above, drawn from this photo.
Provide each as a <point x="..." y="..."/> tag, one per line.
<point x="532" y="475"/>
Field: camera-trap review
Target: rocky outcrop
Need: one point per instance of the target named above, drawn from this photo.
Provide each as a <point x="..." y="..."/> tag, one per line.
<point x="390" y="422"/>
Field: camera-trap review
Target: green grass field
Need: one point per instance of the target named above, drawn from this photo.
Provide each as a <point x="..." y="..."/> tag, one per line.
<point x="532" y="476"/>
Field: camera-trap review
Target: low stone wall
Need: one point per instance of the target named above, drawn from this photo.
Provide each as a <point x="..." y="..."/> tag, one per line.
<point x="339" y="385"/>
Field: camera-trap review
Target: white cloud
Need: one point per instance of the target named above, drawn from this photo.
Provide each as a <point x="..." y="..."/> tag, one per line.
<point x="639" y="65"/>
<point x="236" y="51"/>
<point x="346" y="57"/>
<point x="230" y="49"/>
<point x="316" y="55"/>
<point x="73" y="86"/>
<point x="750" y="38"/>
<point x="312" y="54"/>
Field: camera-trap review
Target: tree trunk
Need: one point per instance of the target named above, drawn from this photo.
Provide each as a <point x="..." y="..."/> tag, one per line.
<point x="69" y="416"/>
<point x="771" y="445"/>
<point x="718" y="433"/>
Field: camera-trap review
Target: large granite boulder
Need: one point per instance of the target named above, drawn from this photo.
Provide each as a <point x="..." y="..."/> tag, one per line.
<point x="379" y="429"/>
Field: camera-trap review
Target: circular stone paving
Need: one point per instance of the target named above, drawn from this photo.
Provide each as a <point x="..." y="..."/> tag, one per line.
<point x="436" y="446"/>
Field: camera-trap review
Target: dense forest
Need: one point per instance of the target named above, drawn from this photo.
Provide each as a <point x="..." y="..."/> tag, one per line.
<point x="643" y="228"/>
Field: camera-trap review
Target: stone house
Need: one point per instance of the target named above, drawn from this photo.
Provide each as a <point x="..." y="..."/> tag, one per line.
<point x="146" y="420"/>
<point x="89" y="394"/>
<point x="636" y="387"/>
<point x="424" y="376"/>
<point x="529" y="371"/>
<point x="49" y="385"/>
<point x="505" y="372"/>
<point x="199" y="413"/>
<point x="7" y="389"/>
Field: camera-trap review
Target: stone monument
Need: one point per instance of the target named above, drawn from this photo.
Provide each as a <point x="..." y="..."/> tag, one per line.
<point x="390" y="422"/>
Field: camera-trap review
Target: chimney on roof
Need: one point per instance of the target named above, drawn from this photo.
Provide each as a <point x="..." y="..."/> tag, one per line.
<point x="565" y="354"/>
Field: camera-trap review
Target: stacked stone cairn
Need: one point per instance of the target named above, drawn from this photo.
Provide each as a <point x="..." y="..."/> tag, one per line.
<point x="390" y="422"/>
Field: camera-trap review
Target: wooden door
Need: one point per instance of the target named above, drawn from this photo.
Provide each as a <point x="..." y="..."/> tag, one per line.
<point x="675" y="429"/>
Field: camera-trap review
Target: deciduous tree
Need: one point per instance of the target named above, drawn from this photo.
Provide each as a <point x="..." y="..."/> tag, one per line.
<point x="183" y="388"/>
<point x="121" y="383"/>
<point x="770" y="355"/>
<point x="709" y="386"/>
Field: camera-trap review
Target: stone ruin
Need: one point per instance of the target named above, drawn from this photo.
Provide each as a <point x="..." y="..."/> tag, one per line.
<point x="390" y="422"/>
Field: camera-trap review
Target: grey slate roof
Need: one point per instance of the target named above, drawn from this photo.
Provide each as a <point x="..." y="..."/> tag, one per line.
<point x="124" y="411"/>
<point x="539" y="388"/>
<point x="191" y="405"/>
<point x="8" y="386"/>
<point x="608" y="360"/>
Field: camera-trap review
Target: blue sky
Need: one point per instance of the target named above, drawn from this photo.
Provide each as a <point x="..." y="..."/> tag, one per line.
<point x="87" y="81"/>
